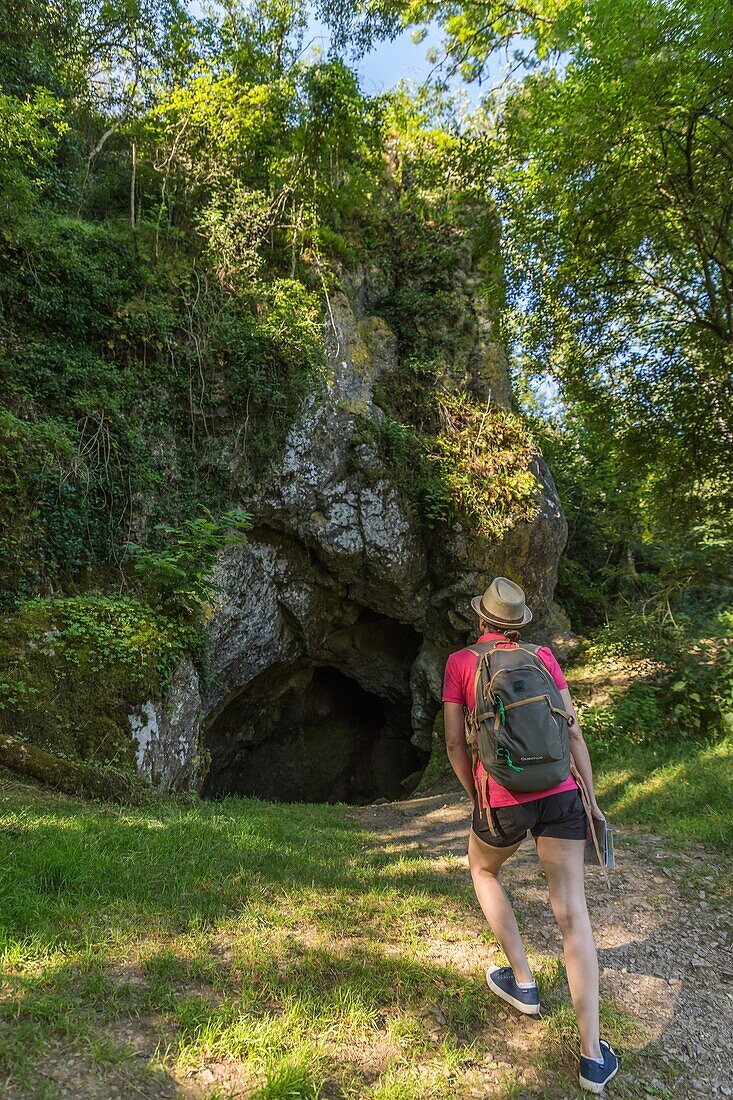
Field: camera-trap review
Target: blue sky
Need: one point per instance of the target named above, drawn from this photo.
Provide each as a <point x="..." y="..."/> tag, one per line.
<point x="389" y="62"/>
<point x="402" y="59"/>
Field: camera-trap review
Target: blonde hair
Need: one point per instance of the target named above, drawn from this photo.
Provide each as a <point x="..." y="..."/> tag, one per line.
<point x="510" y="635"/>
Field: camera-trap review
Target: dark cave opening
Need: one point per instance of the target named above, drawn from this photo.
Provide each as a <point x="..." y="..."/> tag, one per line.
<point x="314" y="735"/>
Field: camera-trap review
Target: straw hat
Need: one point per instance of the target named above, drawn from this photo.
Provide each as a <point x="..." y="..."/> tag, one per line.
<point x="502" y="604"/>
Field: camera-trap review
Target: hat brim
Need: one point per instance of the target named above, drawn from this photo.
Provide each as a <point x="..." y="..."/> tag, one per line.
<point x="526" y="618"/>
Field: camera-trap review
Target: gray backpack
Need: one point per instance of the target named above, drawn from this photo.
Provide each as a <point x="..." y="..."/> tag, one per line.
<point x="519" y="729"/>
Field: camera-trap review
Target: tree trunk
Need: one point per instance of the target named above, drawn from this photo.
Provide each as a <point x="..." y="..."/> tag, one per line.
<point x="88" y="780"/>
<point x="133" y="182"/>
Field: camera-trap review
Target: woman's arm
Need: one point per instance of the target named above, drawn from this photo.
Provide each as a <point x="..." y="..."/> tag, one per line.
<point x="455" y="743"/>
<point x="581" y="756"/>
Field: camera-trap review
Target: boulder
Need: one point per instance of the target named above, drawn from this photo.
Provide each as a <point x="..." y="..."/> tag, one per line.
<point x="327" y="646"/>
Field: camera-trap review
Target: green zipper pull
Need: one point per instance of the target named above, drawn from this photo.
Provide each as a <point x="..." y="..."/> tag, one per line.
<point x="503" y="756"/>
<point x="502" y="712"/>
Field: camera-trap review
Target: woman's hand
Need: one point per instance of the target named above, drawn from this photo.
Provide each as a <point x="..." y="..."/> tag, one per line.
<point x="597" y="812"/>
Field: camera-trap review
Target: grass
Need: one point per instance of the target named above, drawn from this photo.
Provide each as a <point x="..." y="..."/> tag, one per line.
<point x="277" y="952"/>
<point x="680" y="792"/>
<point x="648" y="771"/>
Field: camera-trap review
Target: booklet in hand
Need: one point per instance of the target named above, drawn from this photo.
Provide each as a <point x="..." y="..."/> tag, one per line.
<point x="605" y="844"/>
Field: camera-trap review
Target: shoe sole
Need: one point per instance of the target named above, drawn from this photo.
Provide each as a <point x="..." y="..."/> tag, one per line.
<point x="528" y="1010"/>
<point x="596" y="1086"/>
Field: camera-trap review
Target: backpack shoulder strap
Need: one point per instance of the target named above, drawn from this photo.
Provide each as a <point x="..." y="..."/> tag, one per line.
<point x="533" y="651"/>
<point x="479" y="649"/>
<point x="483" y="651"/>
<point x="531" y="648"/>
<point x="473" y="719"/>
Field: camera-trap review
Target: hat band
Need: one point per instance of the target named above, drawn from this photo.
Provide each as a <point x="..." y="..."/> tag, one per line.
<point x="496" y="619"/>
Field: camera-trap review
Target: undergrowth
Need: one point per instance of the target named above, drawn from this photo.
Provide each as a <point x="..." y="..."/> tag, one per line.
<point x="456" y="457"/>
<point x="123" y="374"/>
<point x="73" y="668"/>
<point x="668" y="680"/>
<point x="655" y="697"/>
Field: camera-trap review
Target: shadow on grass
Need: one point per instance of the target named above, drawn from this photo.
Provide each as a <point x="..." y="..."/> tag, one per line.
<point x="71" y="875"/>
<point x="677" y="790"/>
<point x="264" y="1007"/>
<point x="269" y="935"/>
<point x="84" y="888"/>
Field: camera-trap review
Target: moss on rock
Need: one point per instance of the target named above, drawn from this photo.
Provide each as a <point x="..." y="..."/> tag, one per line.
<point x="73" y="669"/>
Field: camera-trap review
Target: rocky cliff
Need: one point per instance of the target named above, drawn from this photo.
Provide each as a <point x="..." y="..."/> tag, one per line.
<point x="327" y="646"/>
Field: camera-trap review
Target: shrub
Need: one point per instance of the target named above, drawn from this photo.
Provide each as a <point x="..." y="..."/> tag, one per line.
<point x="457" y="457"/>
<point x="674" y="679"/>
<point x="74" y="668"/>
<point x="178" y="575"/>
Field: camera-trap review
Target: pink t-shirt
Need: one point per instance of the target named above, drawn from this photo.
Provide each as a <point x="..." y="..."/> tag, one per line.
<point x="458" y="687"/>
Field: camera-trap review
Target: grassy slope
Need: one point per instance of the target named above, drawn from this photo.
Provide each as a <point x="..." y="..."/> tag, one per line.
<point x="682" y="790"/>
<point x="683" y="795"/>
<point x="284" y="943"/>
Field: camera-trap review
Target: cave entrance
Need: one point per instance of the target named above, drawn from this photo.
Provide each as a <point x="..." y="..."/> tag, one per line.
<point x="315" y="734"/>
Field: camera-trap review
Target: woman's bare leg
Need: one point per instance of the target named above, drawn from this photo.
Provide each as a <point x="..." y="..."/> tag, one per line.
<point x="484" y="862"/>
<point x="562" y="861"/>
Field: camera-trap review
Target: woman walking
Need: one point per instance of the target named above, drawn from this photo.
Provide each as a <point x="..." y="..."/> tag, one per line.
<point x="501" y="818"/>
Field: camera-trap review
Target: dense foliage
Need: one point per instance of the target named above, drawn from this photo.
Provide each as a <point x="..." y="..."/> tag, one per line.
<point x="171" y="234"/>
<point x="180" y="198"/>
<point x="615" y="185"/>
<point x="181" y="195"/>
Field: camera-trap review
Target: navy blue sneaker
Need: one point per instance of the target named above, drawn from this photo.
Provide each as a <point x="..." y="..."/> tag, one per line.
<point x="593" y="1076"/>
<point x="501" y="981"/>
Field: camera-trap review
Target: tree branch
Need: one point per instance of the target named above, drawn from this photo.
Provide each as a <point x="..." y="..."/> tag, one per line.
<point x="87" y="780"/>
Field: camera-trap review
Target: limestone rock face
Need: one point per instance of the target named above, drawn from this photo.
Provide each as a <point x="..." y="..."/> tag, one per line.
<point x="328" y="645"/>
<point x="168" y="734"/>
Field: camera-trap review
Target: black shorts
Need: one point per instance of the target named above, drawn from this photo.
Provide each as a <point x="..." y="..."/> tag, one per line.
<point x="559" y="815"/>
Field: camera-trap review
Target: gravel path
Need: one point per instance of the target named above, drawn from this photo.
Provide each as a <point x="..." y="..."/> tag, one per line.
<point x="664" y="938"/>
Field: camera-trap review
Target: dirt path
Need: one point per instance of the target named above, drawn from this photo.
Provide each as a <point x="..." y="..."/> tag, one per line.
<point x="664" y="938"/>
